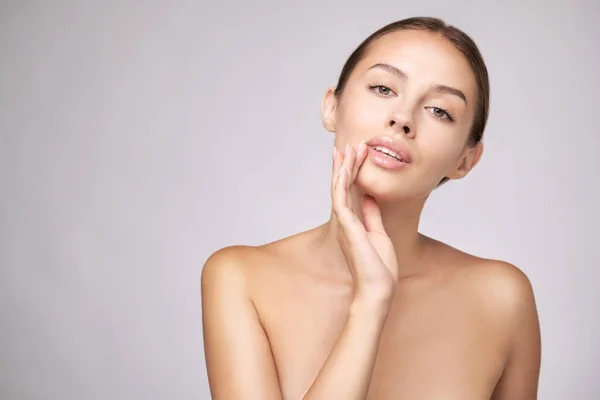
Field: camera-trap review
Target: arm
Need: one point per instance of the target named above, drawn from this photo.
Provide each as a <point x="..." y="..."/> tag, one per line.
<point x="371" y="259"/>
<point x="238" y="356"/>
<point x="347" y="371"/>
<point x="519" y="380"/>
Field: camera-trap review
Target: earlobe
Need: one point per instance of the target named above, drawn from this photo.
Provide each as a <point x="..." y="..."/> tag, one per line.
<point x="468" y="161"/>
<point x="328" y="109"/>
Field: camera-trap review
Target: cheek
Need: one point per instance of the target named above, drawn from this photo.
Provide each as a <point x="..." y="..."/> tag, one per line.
<point x="359" y="118"/>
<point x="440" y="153"/>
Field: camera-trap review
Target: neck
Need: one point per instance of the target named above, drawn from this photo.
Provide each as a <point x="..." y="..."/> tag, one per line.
<point x="401" y="222"/>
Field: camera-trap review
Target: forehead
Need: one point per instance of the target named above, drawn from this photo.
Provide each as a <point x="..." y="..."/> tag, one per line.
<point x="424" y="56"/>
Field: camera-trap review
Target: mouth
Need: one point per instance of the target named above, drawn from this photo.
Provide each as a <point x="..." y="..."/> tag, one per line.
<point x="387" y="152"/>
<point x="388" y="148"/>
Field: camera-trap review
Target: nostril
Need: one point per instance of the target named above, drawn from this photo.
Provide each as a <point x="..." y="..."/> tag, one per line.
<point x="405" y="128"/>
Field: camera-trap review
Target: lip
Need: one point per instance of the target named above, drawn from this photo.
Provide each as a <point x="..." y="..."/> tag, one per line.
<point x="395" y="145"/>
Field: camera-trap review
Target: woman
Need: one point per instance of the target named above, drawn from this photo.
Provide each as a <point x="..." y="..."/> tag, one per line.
<point x="365" y="306"/>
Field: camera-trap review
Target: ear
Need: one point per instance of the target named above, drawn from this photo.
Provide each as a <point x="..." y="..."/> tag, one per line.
<point x="328" y="109"/>
<point x="468" y="161"/>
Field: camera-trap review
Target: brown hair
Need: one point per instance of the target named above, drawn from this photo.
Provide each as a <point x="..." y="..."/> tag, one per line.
<point x="459" y="39"/>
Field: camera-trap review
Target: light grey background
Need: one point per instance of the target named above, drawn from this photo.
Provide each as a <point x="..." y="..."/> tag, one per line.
<point x="138" y="137"/>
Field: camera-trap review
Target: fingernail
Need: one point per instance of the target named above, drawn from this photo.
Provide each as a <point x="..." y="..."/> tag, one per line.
<point x="333" y="153"/>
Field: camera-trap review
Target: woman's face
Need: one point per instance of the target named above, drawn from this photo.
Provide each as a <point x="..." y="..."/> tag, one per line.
<point x="417" y="90"/>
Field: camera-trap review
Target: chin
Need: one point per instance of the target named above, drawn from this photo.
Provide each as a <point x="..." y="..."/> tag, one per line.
<point x="390" y="186"/>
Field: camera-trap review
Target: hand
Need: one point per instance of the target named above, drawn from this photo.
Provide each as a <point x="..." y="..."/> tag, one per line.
<point x="367" y="247"/>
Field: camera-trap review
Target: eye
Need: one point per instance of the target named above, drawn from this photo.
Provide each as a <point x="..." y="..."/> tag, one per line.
<point x="381" y="90"/>
<point x="440" y="113"/>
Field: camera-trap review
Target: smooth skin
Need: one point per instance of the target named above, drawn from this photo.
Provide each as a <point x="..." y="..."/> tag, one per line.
<point x="364" y="306"/>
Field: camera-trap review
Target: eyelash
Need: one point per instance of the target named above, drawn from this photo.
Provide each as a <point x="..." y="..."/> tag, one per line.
<point x="374" y="86"/>
<point x="449" y="116"/>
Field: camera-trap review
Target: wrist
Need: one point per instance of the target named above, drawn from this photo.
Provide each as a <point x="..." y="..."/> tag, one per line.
<point x="376" y="296"/>
<point x="369" y="307"/>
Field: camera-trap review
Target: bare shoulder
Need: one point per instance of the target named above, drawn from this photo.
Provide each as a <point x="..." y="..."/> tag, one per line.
<point x="226" y="262"/>
<point x="496" y="283"/>
<point x="231" y="263"/>
<point x="233" y="335"/>
<point x="229" y="258"/>
<point x="501" y="282"/>
<point x="504" y="299"/>
<point x="246" y="264"/>
<point x="498" y="278"/>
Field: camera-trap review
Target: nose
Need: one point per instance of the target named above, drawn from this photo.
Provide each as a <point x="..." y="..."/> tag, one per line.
<point x="401" y="122"/>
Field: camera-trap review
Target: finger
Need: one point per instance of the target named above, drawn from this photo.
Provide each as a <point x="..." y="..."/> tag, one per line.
<point x="339" y="195"/>
<point x="364" y="152"/>
<point x="343" y="161"/>
<point x="348" y="221"/>
<point x="349" y="162"/>
<point x="372" y="215"/>
<point x="360" y="158"/>
<point x="337" y="161"/>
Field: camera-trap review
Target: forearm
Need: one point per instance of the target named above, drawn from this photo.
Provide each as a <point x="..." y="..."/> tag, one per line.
<point x="347" y="371"/>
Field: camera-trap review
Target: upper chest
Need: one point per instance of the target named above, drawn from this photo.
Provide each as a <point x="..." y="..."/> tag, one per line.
<point x="435" y="340"/>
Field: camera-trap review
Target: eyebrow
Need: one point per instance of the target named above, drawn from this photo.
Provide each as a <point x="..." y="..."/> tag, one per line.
<point x="436" y="88"/>
<point x="391" y="69"/>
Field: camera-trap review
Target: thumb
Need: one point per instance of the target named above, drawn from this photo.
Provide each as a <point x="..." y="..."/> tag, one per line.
<point x="371" y="215"/>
